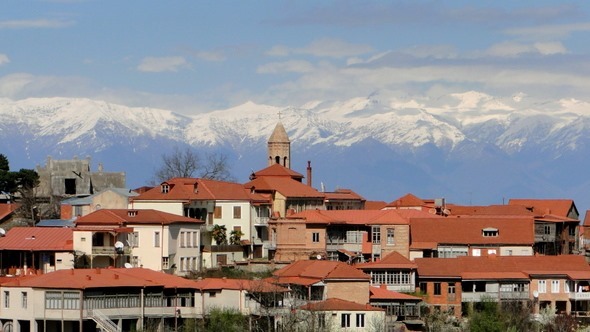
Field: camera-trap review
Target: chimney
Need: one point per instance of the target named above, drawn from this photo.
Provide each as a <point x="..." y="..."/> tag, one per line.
<point x="309" y="173"/>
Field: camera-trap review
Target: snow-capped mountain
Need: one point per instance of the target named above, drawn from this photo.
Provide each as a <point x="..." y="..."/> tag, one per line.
<point x="469" y="147"/>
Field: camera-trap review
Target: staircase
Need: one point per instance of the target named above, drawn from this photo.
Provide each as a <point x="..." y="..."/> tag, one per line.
<point x="102" y="321"/>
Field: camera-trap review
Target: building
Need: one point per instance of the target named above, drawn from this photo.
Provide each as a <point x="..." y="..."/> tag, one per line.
<point x="115" y="299"/>
<point x="341" y="315"/>
<point x="73" y="178"/>
<point x="560" y="282"/>
<point x="152" y="239"/>
<point x="111" y="198"/>
<point x="472" y="236"/>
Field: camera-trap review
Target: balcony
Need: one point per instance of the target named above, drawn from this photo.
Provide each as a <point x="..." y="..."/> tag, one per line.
<point x="261" y="221"/>
<point x="109" y="251"/>
<point x="579" y="296"/>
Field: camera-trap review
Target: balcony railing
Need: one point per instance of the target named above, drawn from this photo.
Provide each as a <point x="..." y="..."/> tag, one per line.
<point x="579" y="296"/>
<point x="109" y="251"/>
<point x="261" y="221"/>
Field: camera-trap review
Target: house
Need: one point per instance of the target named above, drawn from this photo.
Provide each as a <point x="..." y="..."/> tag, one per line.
<point x="110" y="198"/>
<point x="394" y="272"/>
<point x="400" y="308"/>
<point x="409" y="201"/>
<point x="214" y="202"/>
<point x="32" y="250"/>
<point x="114" y="299"/>
<point x="318" y="280"/>
<point x="344" y="199"/>
<point x="7" y="211"/>
<point x="560" y="282"/>
<point x="336" y="314"/>
<point x="555" y="233"/>
<point x="472" y="236"/>
<point x="143" y="238"/>
<point x="347" y="235"/>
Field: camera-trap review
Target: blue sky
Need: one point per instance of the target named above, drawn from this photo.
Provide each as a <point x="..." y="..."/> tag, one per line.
<point x="196" y="56"/>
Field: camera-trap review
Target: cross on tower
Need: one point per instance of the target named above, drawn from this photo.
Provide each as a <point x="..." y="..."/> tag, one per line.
<point x="279" y="114"/>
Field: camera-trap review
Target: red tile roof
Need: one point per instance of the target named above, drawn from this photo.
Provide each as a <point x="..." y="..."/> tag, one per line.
<point x="343" y="194"/>
<point x="395" y="260"/>
<point x="502" y="267"/>
<point x="123" y="217"/>
<point x="238" y="284"/>
<point x="277" y="170"/>
<point x="103" y="278"/>
<point x="7" y="209"/>
<point x="375" y="205"/>
<point x="382" y="293"/>
<point x="284" y="185"/>
<point x="38" y="239"/>
<point x="359" y="217"/>
<point x="560" y="207"/>
<point x="408" y="200"/>
<point x="334" y="304"/>
<point x="310" y="271"/>
<point x="469" y="230"/>
<point x="186" y="189"/>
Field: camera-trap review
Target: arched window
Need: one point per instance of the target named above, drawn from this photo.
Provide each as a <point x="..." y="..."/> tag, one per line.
<point x="278" y="159"/>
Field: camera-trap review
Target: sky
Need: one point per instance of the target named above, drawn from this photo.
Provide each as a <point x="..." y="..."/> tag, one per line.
<point x="198" y="56"/>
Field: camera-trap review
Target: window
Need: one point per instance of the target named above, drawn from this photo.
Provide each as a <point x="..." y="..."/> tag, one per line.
<point x="217" y="212"/>
<point x="237" y="212"/>
<point x="390" y="236"/>
<point x="70" y="186"/>
<point x="490" y="232"/>
<point x="165" y="188"/>
<point x="547" y="230"/>
<point x="53" y="300"/>
<point x="134" y="239"/>
<point x="376" y="231"/>
<point x="437" y="289"/>
<point x="423" y="288"/>
<point x="554" y="286"/>
<point x="157" y="239"/>
<point x="360" y="320"/>
<point x="321" y="321"/>
<point x="165" y="263"/>
<point x="315" y="237"/>
<point x="542" y="285"/>
<point x="195" y="239"/>
<point x="345" y="320"/>
<point x="135" y="261"/>
<point x="182" y="239"/>
<point x="451" y="288"/>
<point x="6" y="299"/>
<point x="24" y="300"/>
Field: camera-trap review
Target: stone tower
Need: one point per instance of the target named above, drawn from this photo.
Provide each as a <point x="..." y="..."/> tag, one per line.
<point x="279" y="147"/>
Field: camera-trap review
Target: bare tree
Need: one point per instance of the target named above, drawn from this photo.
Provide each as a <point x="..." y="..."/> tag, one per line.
<point x="187" y="163"/>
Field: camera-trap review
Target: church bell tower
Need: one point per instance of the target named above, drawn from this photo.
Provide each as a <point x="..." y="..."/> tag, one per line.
<point x="279" y="147"/>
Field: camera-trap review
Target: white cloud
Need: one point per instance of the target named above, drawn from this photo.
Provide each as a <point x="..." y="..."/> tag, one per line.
<point x="162" y="64"/>
<point x="512" y="49"/>
<point x="34" y="24"/>
<point x="4" y="59"/>
<point x="326" y="47"/>
<point x="287" y="66"/>
<point x="211" y="56"/>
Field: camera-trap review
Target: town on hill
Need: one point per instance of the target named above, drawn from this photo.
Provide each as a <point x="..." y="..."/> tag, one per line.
<point x="79" y="251"/>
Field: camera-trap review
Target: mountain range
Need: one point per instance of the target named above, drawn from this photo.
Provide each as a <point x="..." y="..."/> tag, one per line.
<point x="470" y="148"/>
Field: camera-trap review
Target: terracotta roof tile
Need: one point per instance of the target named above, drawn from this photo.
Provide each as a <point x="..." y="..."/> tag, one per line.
<point x="319" y="270"/>
<point x="284" y="185"/>
<point x="375" y="205"/>
<point x="408" y="200"/>
<point x="124" y="217"/>
<point x="560" y="207"/>
<point x="469" y="230"/>
<point x="38" y="239"/>
<point x="334" y="304"/>
<point x="277" y="170"/>
<point x="186" y="189"/>
<point x="238" y="284"/>
<point x="359" y="217"/>
<point x="7" y="209"/>
<point x="395" y="260"/>
<point x="102" y="278"/>
<point x="501" y="266"/>
<point x="343" y="194"/>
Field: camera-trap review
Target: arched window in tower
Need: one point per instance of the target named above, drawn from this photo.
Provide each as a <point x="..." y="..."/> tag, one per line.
<point x="278" y="159"/>
<point x="285" y="161"/>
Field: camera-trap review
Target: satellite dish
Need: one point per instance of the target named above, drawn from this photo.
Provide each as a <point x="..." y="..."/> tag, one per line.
<point x="128" y="265"/>
<point x="2" y="232"/>
<point x="447" y="212"/>
<point x="432" y="211"/>
<point x="119" y="245"/>
<point x="319" y="257"/>
<point x="535" y="294"/>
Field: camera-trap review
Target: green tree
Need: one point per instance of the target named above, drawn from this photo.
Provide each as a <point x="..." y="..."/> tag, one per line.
<point x="219" y="234"/>
<point x="226" y="320"/>
<point x="235" y="236"/>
